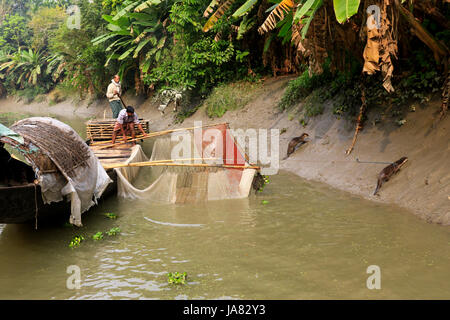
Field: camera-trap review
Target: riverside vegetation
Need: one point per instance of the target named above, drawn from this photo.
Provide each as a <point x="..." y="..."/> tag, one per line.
<point x="216" y="52"/>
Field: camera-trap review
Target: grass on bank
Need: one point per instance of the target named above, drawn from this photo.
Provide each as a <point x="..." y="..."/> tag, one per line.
<point x="230" y="96"/>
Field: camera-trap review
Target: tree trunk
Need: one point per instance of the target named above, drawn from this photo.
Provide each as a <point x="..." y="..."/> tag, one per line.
<point x="440" y="51"/>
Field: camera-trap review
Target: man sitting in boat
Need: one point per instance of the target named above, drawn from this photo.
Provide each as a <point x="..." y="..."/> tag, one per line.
<point x="125" y="123"/>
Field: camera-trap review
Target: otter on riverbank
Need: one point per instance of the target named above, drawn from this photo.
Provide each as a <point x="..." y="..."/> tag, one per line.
<point x="389" y="171"/>
<point x="295" y="144"/>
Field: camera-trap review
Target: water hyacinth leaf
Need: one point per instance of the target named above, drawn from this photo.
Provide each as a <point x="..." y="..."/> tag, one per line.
<point x="344" y="9"/>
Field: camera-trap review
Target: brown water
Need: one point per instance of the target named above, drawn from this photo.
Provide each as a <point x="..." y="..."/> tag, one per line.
<point x="307" y="242"/>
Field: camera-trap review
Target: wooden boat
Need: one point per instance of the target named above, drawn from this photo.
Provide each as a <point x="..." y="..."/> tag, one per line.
<point x="21" y="202"/>
<point x="21" y="198"/>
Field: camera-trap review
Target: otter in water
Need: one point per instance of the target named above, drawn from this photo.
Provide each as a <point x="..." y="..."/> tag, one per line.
<point x="389" y="171"/>
<point x="295" y="144"/>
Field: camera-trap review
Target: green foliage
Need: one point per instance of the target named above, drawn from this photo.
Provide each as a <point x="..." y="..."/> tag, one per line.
<point x="14" y="33"/>
<point x="229" y="97"/>
<point x="27" y="65"/>
<point x="74" y="59"/>
<point x="76" y="241"/>
<point x="300" y="87"/>
<point x="418" y="86"/>
<point x="113" y="231"/>
<point x="344" y="9"/>
<point x="266" y="181"/>
<point x="28" y="94"/>
<point x="197" y="60"/>
<point x="137" y="34"/>
<point x="313" y="105"/>
<point x="43" y="24"/>
<point x="98" y="236"/>
<point x="111" y="215"/>
<point x="177" y="278"/>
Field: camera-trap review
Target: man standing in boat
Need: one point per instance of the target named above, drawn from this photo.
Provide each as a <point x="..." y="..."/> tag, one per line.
<point x="125" y="123"/>
<point x="113" y="94"/>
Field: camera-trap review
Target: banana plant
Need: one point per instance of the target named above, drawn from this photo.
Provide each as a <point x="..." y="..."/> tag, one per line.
<point x="136" y="34"/>
<point x="28" y="64"/>
<point x="284" y="13"/>
<point x="344" y="9"/>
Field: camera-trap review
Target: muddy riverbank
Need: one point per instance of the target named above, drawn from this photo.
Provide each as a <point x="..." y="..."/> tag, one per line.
<point x="422" y="186"/>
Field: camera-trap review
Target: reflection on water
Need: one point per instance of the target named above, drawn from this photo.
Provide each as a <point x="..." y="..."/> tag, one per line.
<point x="306" y="241"/>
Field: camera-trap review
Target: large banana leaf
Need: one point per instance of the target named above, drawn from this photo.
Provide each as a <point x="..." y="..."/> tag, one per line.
<point x="310" y="16"/>
<point x="217" y="15"/>
<point x="344" y="9"/>
<point x="244" y="8"/>
<point x="125" y="10"/>
<point x="210" y="8"/>
<point x="140" y="46"/>
<point x="304" y="9"/>
<point x="146" y="5"/>
<point x="126" y="53"/>
<point x="277" y="14"/>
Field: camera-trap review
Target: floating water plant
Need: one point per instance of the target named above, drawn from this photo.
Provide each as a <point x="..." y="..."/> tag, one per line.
<point x="265" y="182"/>
<point x="76" y="241"/>
<point x="111" y="215"/>
<point x="113" y="231"/>
<point x="177" y="278"/>
<point x="265" y="202"/>
<point x="98" y="236"/>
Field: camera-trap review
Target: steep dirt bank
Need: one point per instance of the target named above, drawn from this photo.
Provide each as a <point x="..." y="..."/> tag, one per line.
<point x="422" y="186"/>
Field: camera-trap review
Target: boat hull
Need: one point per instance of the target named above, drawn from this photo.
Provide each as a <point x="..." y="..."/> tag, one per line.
<point x="23" y="204"/>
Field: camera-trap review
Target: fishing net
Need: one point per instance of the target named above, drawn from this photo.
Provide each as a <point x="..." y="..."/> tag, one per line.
<point x="194" y="182"/>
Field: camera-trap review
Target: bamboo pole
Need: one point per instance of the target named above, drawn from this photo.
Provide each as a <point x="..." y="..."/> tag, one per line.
<point x="169" y="164"/>
<point x="145" y="163"/>
<point x="155" y="134"/>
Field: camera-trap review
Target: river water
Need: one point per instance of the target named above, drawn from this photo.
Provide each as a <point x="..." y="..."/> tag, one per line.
<point x="296" y="240"/>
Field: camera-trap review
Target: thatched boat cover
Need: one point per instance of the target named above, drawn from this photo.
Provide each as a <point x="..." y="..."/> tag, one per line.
<point x="63" y="163"/>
